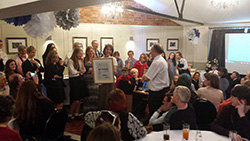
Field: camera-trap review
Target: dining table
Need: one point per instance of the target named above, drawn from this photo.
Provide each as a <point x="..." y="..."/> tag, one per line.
<point x="176" y="135"/>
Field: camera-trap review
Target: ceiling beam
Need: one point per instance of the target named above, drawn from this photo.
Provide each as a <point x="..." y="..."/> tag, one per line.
<point x="162" y="15"/>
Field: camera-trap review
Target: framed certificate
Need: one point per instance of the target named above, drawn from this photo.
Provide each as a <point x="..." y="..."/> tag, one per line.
<point x="103" y="70"/>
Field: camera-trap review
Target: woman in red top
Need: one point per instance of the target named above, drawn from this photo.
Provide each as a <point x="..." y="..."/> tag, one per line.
<point x="140" y="65"/>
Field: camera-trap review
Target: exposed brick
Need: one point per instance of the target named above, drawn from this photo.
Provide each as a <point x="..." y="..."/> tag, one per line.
<point x="92" y="14"/>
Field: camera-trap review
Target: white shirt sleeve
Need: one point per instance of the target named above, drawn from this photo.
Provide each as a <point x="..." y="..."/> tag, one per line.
<point x="114" y="61"/>
<point x="4" y="57"/>
<point x="152" y="71"/>
<point x="155" y="120"/>
<point x="184" y="61"/>
<point x="71" y="68"/>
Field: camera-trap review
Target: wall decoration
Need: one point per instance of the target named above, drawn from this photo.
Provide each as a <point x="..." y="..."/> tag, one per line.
<point x="82" y="40"/>
<point x="103" y="70"/>
<point x="12" y="44"/>
<point x="105" y="41"/>
<point x="150" y="43"/>
<point x="172" y="44"/>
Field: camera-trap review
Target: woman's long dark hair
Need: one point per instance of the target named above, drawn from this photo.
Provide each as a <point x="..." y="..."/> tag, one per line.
<point x="26" y="102"/>
<point x="173" y="60"/>
<point x="8" y="71"/>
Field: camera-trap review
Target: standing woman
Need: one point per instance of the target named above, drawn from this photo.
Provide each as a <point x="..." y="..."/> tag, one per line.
<point x="141" y="64"/>
<point x="171" y="66"/>
<point x="10" y="68"/>
<point x="54" y="79"/>
<point x="224" y="83"/>
<point x="78" y="89"/>
<point x="119" y="63"/>
<point x="21" y="57"/>
<point x="182" y="64"/>
<point x="91" y="102"/>
<point x="106" y="88"/>
<point x="50" y="47"/>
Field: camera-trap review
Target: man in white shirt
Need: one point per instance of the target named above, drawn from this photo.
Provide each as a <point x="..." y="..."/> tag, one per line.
<point x="69" y="54"/>
<point x="158" y="79"/>
<point x="98" y="54"/>
<point x="3" y="57"/>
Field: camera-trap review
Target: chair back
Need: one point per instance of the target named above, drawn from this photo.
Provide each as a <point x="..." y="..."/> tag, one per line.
<point x="55" y="125"/>
<point x="205" y="113"/>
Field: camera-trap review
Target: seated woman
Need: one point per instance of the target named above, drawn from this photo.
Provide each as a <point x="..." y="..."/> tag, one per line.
<point x="235" y="116"/>
<point x="185" y="112"/>
<point x="185" y="80"/>
<point x="131" y="127"/>
<point x="105" y="132"/>
<point x="211" y="92"/>
<point x="32" y="110"/>
<point x="135" y="81"/>
<point x="195" y="80"/>
<point x="173" y="84"/>
<point x="6" y="109"/>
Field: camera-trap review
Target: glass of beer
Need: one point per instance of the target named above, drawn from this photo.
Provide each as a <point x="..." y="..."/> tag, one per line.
<point x="166" y="132"/>
<point x="185" y="130"/>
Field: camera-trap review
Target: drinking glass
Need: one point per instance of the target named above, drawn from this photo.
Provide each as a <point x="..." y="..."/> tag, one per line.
<point x="166" y="132"/>
<point x="185" y="131"/>
<point x="233" y="135"/>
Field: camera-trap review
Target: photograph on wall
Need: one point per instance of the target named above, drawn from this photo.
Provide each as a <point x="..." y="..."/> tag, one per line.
<point x="12" y="44"/>
<point x="173" y="44"/>
<point x="83" y="41"/>
<point x="103" y="70"/>
<point x="150" y="43"/>
<point x="106" y="40"/>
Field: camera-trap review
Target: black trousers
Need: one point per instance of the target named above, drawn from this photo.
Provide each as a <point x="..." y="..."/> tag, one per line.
<point x="155" y="100"/>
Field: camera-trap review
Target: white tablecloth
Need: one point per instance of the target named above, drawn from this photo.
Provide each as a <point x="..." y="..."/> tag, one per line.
<point x="176" y="135"/>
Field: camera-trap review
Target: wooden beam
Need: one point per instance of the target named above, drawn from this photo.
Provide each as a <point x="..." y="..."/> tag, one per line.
<point x="162" y="15"/>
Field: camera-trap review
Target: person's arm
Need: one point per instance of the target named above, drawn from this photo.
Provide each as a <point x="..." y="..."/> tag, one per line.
<point x="39" y="65"/>
<point x="114" y="65"/>
<point x="154" y="118"/>
<point x="218" y="124"/>
<point x="243" y="119"/>
<point x="71" y="67"/>
<point x="185" y="64"/>
<point x="152" y="72"/>
<point x="135" y="127"/>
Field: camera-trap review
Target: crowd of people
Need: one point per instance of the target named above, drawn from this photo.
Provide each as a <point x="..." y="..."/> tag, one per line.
<point x="174" y="93"/>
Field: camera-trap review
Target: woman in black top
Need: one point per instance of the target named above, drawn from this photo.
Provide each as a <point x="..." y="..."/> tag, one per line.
<point x="32" y="110"/>
<point x="49" y="48"/>
<point x="54" y="79"/>
<point x="195" y="80"/>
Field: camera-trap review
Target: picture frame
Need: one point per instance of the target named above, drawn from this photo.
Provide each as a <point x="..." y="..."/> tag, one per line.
<point x="82" y="40"/>
<point x="173" y="44"/>
<point x="150" y="42"/>
<point x="106" y="40"/>
<point x="103" y="70"/>
<point x="12" y="44"/>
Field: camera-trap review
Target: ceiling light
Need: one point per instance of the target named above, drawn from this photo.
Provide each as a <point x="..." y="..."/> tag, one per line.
<point x="113" y="10"/>
<point x="224" y="4"/>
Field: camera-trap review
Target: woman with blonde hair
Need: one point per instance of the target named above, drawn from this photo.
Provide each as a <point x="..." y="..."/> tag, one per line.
<point x="54" y="79"/>
<point x="90" y="102"/>
<point x="78" y="89"/>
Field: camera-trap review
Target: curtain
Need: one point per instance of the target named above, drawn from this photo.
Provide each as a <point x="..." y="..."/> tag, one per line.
<point x="217" y="46"/>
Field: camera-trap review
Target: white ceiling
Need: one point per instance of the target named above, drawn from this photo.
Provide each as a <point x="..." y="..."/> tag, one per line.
<point x="202" y="10"/>
<point x="197" y="10"/>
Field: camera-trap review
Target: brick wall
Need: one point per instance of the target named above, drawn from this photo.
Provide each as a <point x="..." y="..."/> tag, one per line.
<point x="92" y="14"/>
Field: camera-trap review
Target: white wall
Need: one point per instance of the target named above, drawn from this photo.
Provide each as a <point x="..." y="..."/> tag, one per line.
<point x="120" y="33"/>
<point x="196" y="54"/>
